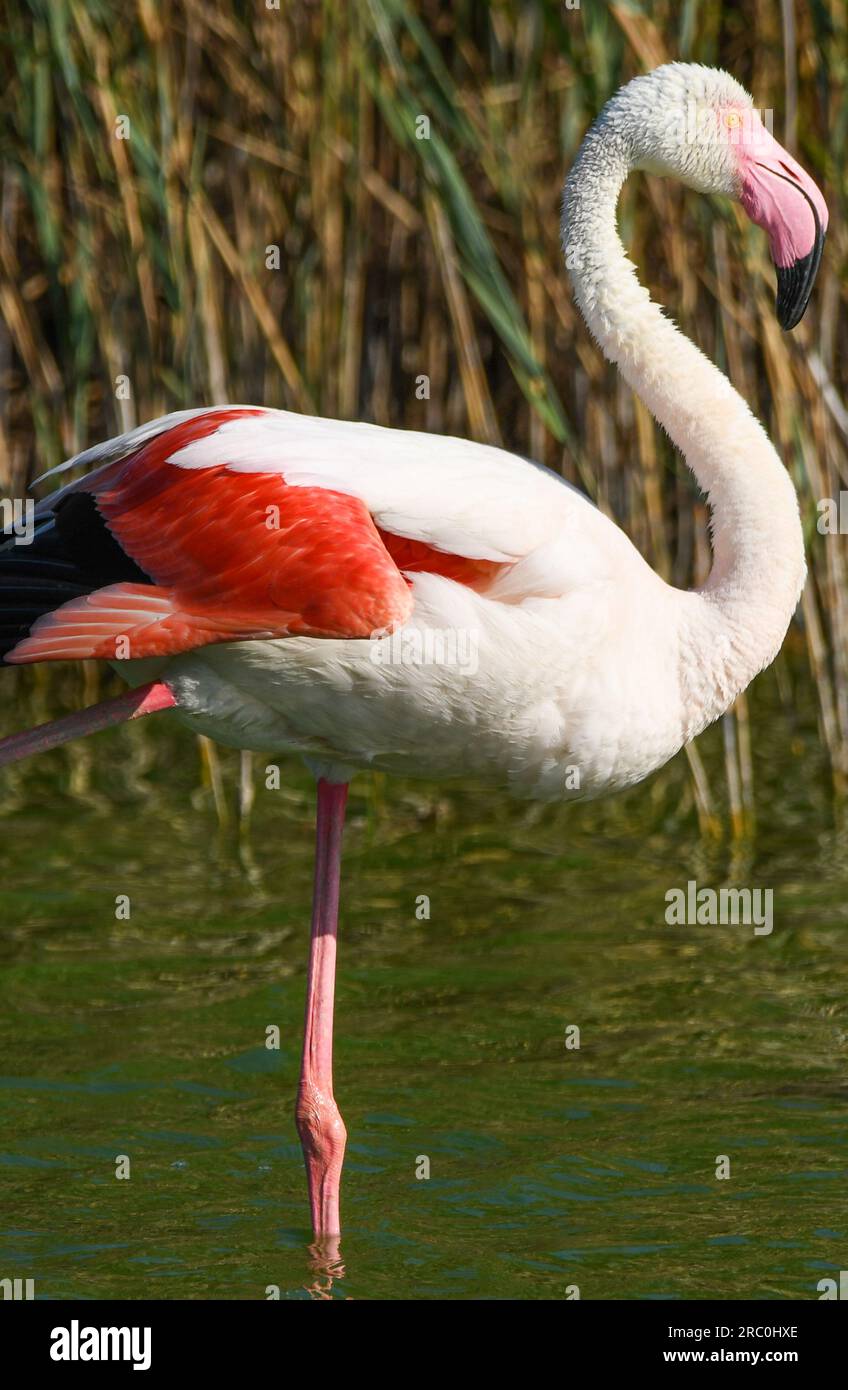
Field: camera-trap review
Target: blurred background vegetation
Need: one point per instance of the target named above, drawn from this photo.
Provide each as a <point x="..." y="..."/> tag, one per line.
<point x="274" y="229"/>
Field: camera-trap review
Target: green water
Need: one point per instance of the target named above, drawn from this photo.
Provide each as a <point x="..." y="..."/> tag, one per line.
<point x="549" y="1167"/>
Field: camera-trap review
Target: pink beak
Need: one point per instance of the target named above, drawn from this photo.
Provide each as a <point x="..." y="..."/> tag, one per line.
<point x="782" y="199"/>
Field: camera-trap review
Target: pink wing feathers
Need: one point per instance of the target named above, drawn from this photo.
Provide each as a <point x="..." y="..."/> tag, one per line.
<point x="232" y="555"/>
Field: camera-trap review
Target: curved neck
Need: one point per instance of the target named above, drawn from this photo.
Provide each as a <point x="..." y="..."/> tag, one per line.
<point x="734" y="625"/>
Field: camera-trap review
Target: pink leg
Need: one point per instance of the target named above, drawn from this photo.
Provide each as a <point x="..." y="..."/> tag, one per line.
<point x="144" y="699"/>
<point x="319" y="1124"/>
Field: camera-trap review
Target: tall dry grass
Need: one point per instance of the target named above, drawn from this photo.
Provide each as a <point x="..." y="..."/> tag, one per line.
<point x="403" y="257"/>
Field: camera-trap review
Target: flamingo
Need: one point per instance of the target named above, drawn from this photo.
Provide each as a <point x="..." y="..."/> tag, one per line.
<point x="279" y="580"/>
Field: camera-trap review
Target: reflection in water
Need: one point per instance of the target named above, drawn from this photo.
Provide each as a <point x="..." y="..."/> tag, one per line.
<point x="326" y="1265"/>
<point x="549" y="1166"/>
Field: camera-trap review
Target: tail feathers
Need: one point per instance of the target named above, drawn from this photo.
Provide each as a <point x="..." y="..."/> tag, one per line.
<point x="116" y="623"/>
<point x="27" y="592"/>
<point x="124" y="622"/>
<point x="71" y="554"/>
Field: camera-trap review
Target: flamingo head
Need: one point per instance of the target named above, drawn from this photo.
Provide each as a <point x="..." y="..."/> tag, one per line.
<point x="779" y="196"/>
<point x="700" y="125"/>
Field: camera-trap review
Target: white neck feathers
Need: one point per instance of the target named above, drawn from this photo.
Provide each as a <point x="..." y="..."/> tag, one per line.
<point x="735" y="624"/>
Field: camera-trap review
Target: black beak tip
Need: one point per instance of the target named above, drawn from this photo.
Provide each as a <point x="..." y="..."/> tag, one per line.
<point x="795" y="285"/>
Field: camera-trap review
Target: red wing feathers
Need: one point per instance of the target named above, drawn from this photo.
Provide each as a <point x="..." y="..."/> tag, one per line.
<point x="232" y="556"/>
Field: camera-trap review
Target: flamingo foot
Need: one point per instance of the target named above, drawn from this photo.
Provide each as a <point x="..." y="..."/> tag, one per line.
<point x="319" y="1124"/>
